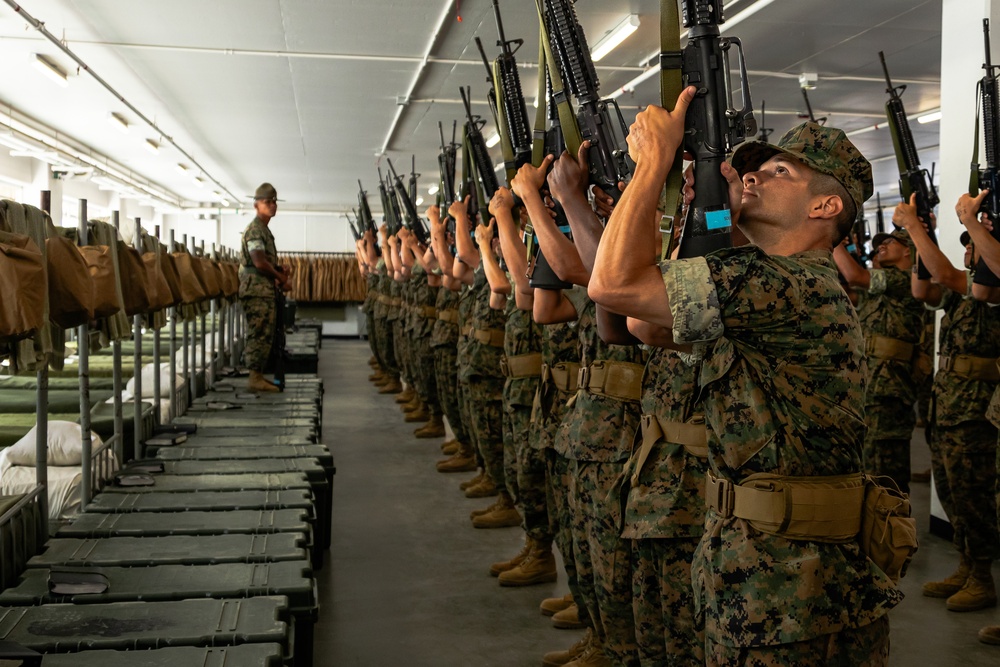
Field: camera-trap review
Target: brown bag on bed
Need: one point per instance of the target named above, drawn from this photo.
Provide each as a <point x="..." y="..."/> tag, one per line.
<point x="71" y="290"/>
<point x="101" y="266"/>
<point x="135" y="288"/>
<point x="232" y="280"/>
<point x="206" y="274"/>
<point x="220" y="277"/>
<point x="160" y="296"/>
<point x="192" y="291"/>
<point x="25" y="288"/>
<point x="168" y="265"/>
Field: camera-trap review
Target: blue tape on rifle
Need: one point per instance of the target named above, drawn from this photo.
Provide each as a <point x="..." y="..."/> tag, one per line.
<point x="718" y="219"/>
<point x="564" y="229"/>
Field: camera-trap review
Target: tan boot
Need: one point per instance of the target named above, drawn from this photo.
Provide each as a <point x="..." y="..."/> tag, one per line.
<point x="434" y="428"/>
<point x="486" y="510"/>
<point x="258" y="383"/>
<point x="405" y="396"/>
<point x="558" y="658"/>
<point x="411" y="405"/>
<point x="979" y="591"/>
<point x="449" y="448"/>
<point x="990" y="635"/>
<point x="539" y="567"/>
<point x="485" y="489"/>
<point x="372" y="361"/>
<point x="420" y="415"/>
<point x="391" y="387"/>
<point x="568" y="618"/>
<point x="504" y="516"/>
<point x="511" y="563"/>
<point x="464" y="460"/>
<point x="469" y="483"/>
<point x="552" y="606"/>
<point x="952" y="583"/>
<point x="592" y="656"/>
<point x="376" y="377"/>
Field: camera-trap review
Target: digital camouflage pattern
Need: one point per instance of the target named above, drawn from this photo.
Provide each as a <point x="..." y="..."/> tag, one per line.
<point x="666" y="629"/>
<point x="486" y="383"/>
<point x="261" y="320"/>
<point x="782" y="371"/>
<point x="444" y="344"/>
<point x="423" y="295"/>
<point x="963" y="442"/>
<point x="890" y="310"/>
<point x="257" y="236"/>
<point x="383" y="327"/>
<point x="368" y="308"/>
<point x="561" y="480"/>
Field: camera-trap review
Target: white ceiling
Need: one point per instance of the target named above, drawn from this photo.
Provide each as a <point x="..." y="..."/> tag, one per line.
<point x="303" y="93"/>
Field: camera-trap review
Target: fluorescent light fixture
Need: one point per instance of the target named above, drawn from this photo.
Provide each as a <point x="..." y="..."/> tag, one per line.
<point x="535" y="103"/>
<point x="224" y="202"/>
<point x="745" y="14"/>
<point x="51" y="157"/>
<point x="118" y="121"/>
<point x="11" y="141"/>
<point x="433" y="190"/>
<point x="49" y="69"/>
<point x="493" y="140"/>
<point x="420" y="200"/>
<point x="152" y="146"/>
<point x="197" y="181"/>
<point x="617" y="35"/>
<point x="498" y="166"/>
<point x="181" y="169"/>
<point x="929" y="117"/>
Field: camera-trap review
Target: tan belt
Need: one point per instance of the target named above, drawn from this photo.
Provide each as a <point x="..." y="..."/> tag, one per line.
<point x="883" y="347"/>
<point x="449" y="315"/>
<point x="822" y="509"/>
<point x="521" y="365"/>
<point x="466" y="330"/>
<point x="692" y="436"/>
<point x="491" y="337"/>
<point x="973" y="368"/>
<point x="615" y="379"/>
<point x="394" y="302"/>
<point x="427" y="312"/>
<point x="563" y="376"/>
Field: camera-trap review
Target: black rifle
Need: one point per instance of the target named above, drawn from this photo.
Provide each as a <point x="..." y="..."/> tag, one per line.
<point x="809" y="109"/>
<point x="480" y="154"/>
<point x="912" y="179"/>
<point x="511" y="103"/>
<point x="354" y="230"/>
<point x="446" y="167"/>
<point x="601" y="121"/>
<point x="390" y="212"/>
<point x="366" y="222"/>
<point x="713" y="126"/>
<point x="859" y="237"/>
<point x="765" y="132"/>
<point x="879" y="216"/>
<point x="989" y="176"/>
<point x="405" y="208"/>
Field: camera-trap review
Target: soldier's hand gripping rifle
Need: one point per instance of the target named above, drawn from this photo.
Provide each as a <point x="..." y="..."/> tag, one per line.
<point x="600" y="121"/>
<point x="989" y="176"/>
<point x="447" y="159"/>
<point x="480" y="155"/>
<point x="365" y="220"/>
<point x="406" y="209"/>
<point x="912" y="179"/>
<point x="390" y="208"/>
<point x="713" y="125"/>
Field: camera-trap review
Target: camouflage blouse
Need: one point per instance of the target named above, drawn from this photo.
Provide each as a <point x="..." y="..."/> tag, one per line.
<point x="521" y="336"/>
<point x="889" y="309"/>
<point x="484" y="359"/>
<point x="257" y="236"/>
<point x="445" y="333"/>
<point x="781" y="368"/>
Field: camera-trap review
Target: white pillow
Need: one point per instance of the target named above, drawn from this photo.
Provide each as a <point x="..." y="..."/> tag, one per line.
<point x="147" y="380"/>
<point x="65" y="445"/>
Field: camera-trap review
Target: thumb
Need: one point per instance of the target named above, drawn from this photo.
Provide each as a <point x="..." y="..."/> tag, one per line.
<point x="913" y="199"/>
<point x="467" y="199"/>
<point x="581" y="153"/>
<point x="546" y="163"/>
<point x="684" y="100"/>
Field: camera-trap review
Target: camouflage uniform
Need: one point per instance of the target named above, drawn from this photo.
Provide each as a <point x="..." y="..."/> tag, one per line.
<point x="596" y="437"/>
<point x="368" y="308"/>
<point x="466" y="304"/>
<point x="890" y="312"/>
<point x="395" y="318"/>
<point x="257" y="295"/>
<point x="782" y="372"/>
<point x="383" y="327"/>
<point x="664" y="499"/>
<point x="444" y="345"/>
<point x="963" y="442"/>
<point x="522" y="336"/>
<point x="424" y="319"/>
<point x="485" y="381"/>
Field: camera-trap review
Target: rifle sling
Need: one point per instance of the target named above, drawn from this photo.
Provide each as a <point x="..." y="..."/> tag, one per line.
<point x="671" y="85"/>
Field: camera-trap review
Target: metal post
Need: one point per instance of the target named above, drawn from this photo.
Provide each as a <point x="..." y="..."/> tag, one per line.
<point x="116" y="350"/>
<point x="234" y="323"/>
<point x="186" y="343"/>
<point x="83" y="351"/>
<point x="205" y="361"/>
<point x="173" y="349"/>
<point x="42" y="422"/>
<point x="137" y="364"/>
<point x="211" y="346"/>
<point x="193" y="379"/>
<point x="156" y="338"/>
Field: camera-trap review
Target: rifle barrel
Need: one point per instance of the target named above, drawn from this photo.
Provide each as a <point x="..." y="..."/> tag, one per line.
<point x="986" y="34"/>
<point x="888" y="82"/>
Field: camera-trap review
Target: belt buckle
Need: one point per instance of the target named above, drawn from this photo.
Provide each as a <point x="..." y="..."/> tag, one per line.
<point x="725" y="497"/>
<point x="505" y="366"/>
<point x="583" y="377"/>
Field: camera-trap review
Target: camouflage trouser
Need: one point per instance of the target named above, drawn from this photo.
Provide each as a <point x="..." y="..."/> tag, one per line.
<point x="465" y="405"/>
<point x="260" y="314"/>
<point x="446" y="374"/>
<point x="524" y="470"/>
<point x="370" y="325"/>
<point x="560" y="482"/>
<point x="964" y="461"/>
<point x="487" y="423"/>
<point x="867" y="646"/>
<point x="426" y="378"/>
<point x="384" y="343"/>
<point x="663" y="603"/>
<point x="887" y="442"/>
<point x="400" y="345"/>
<point x="602" y="558"/>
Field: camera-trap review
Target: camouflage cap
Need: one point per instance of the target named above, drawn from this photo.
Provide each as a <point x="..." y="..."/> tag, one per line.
<point x="266" y="191"/>
<point x="899" y="234"/>
<point x="825" y="149"/>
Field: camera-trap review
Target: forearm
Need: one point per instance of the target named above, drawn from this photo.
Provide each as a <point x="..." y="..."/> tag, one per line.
<point x="941" y="269"/>
<point x="514" y="251"/>
<point x="856" y="275"/>
<point x="988" y="247"/>
<point x="559" y="250"/>
<point x="552" y="307"/>
<point x="613" y="329"/>
<point x="498" y="301"/>
<point x="495" y="275"/>
<point x="587" y="228"/>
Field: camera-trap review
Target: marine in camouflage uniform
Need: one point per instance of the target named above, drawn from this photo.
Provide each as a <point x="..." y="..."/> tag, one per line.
<point x="893" y="323"/>
<point x="444" y="345"/>
<point x="663" y="494"/>
<point x="383" y="326"/>
<point x="596" y="437"/>
<point x="368" y="308"/>
<point x="424" y="319"/>
<point x="257" y="295"/>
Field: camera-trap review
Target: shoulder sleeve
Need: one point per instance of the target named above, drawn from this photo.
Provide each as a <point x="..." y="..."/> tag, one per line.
<point x="694" y="300"/>
<point x="878" y="281"/>
<point x="254" y="238"/>
<point x="578" y="297"/>
<point x="894" y="283"/>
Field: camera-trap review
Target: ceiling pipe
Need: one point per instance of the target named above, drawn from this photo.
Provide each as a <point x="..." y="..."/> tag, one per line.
<point x="405" y="101"/>
<point x="40" y="27"/>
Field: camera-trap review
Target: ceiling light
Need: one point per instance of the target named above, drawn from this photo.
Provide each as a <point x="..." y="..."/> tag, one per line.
<point x="929" y="117"/>
<point x="535" y="103"/>
<point x="617" y="35"/>
<point x="181" y="169"/>
<point x="49" y="69"/>
<point x="493" y="140"/>
<point x="118" y="121"/>
<point x="11" y="141"/>
<point x="433" y="190"/>
<point x="745" y="14"/>
<point x="152" y="146"/>
<point x="420" y="200"/>
<point x="224" y="202"/>
<point x="197" y="181"/>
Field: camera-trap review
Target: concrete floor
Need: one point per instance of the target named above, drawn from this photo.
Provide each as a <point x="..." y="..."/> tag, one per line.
<point x="407" y="579"/>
